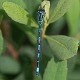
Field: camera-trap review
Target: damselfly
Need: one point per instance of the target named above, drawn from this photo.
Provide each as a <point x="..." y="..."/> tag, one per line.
<point x="41" y="15"/>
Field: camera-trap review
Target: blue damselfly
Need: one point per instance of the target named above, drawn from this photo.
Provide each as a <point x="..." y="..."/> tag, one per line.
<point x="41" y="15"/>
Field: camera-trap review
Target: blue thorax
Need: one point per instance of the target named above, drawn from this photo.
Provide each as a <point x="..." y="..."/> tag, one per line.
<point x="41" y="15"/>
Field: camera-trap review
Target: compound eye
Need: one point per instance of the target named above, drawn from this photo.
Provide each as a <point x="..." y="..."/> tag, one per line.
<point x="38" y="12"/>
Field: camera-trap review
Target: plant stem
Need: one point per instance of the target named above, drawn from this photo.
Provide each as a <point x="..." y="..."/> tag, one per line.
<point x="44" y="29"/>
<point x="6" y="29"/>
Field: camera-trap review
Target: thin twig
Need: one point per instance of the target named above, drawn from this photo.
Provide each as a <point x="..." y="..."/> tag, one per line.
<point x="5" y="28"/>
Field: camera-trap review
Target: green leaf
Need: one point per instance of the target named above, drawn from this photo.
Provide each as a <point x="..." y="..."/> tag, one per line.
<point x="26" y="4"/>
<point x="9" y="65"/>
<point x="18" y="14"/>
<point x="43" y="63"/>
<point x="73" y="18"/>
<point x="61" y="8"/>
<point x="19" y="2"/>
<point x="32" y="6"/>
<point x="26" y="30"/>
<point x="74" y="68"/>
<point x="32" y="37"/>
<point x="53" y="5"/>
<point x="56" y="27"/>
<point x="71" y="63"/>
<point x="56" y="70"/>
<point x="1" y="42"/>
<point x="63" y="47"/>
<point x="74" y="76"/>
<point x="46" y="50"/>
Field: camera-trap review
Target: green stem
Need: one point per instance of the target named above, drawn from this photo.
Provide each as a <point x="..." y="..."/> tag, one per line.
<point x="44" y="29"/>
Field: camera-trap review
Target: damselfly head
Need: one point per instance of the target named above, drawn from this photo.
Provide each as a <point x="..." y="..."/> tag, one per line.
<point x="41" y="11"/>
